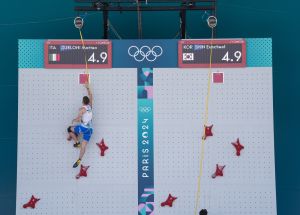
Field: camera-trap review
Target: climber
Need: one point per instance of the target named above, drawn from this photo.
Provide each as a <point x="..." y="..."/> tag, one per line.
<point x="84" y="127"/>
<point x="203" y="212"/>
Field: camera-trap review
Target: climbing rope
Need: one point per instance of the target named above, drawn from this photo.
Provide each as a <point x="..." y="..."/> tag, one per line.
<point x="205" y="123"/>
<point x="83" y="46"/>
<point x="110" y="25"/>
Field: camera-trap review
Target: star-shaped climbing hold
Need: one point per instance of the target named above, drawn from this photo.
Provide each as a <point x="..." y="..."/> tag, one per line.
<point x="169" y="201"/>
<point x="219" y="171"/>
<point x="31" y="202"/>
<point x="207" y="132"/>
<point x="83" y="171"/>
<point x="238" y="147"/>
<point x="102" y="147"/>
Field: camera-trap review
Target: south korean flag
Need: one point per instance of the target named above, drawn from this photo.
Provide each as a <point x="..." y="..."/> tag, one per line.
<point x="188" y="57"/>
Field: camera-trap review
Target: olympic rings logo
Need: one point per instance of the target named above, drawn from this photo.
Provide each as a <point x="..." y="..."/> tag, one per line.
<point x="145" y="52"/>
<point x="145" y="109"/>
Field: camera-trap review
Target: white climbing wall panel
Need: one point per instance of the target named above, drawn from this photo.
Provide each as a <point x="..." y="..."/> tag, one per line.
<point x="48" y="101"/>
<point x="241" y="107"/>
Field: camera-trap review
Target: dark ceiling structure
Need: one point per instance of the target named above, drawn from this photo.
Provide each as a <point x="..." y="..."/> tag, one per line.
<point x="106" y="6"/>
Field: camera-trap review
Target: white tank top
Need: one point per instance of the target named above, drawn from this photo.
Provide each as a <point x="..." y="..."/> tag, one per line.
<point x="86" y="119"/>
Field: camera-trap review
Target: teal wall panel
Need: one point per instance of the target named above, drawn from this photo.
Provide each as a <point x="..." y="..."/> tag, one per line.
<point x="259" y="52"/>
<point x="31" y="53"/>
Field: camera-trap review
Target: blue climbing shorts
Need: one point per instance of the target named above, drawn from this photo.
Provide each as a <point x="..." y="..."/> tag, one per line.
<point x="86" y="132"/>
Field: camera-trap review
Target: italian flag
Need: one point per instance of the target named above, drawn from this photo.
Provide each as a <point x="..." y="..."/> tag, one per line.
<point x="54" y="57"/>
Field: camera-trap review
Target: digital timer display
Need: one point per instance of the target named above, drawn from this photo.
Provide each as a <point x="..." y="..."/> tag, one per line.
<point x="220" y="53"/>
<point x="72" y="54"/>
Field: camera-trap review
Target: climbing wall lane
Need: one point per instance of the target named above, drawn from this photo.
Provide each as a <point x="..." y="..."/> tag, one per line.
<point x="48" y="101"/>
<point x="241" y="107"/>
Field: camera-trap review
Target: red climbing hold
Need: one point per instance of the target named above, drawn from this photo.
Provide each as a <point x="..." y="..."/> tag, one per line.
<point x="208" y="132"/>
<point x="219" y="171"/>
<point x="102" y="147"/>
<point x="84" y="78"/>
<point x="31" y="202"/>
<point x="83" y="171"/>
<point x="169" y="201"/>
<point x="238" y="146"/>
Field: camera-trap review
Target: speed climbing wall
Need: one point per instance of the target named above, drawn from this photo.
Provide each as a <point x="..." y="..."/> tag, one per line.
<point x="241" y="108"/>
<point x="150" y="107"/>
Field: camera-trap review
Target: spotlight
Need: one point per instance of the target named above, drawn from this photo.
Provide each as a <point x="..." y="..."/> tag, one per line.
<point x="190" y="4"/>
<point x="98" y="5"/>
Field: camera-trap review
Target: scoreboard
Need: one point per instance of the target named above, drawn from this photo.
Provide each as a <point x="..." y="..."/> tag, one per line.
<point x="191" y="53"/>
<point x="72" y="54"/>
<point x="220" y="53"/>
